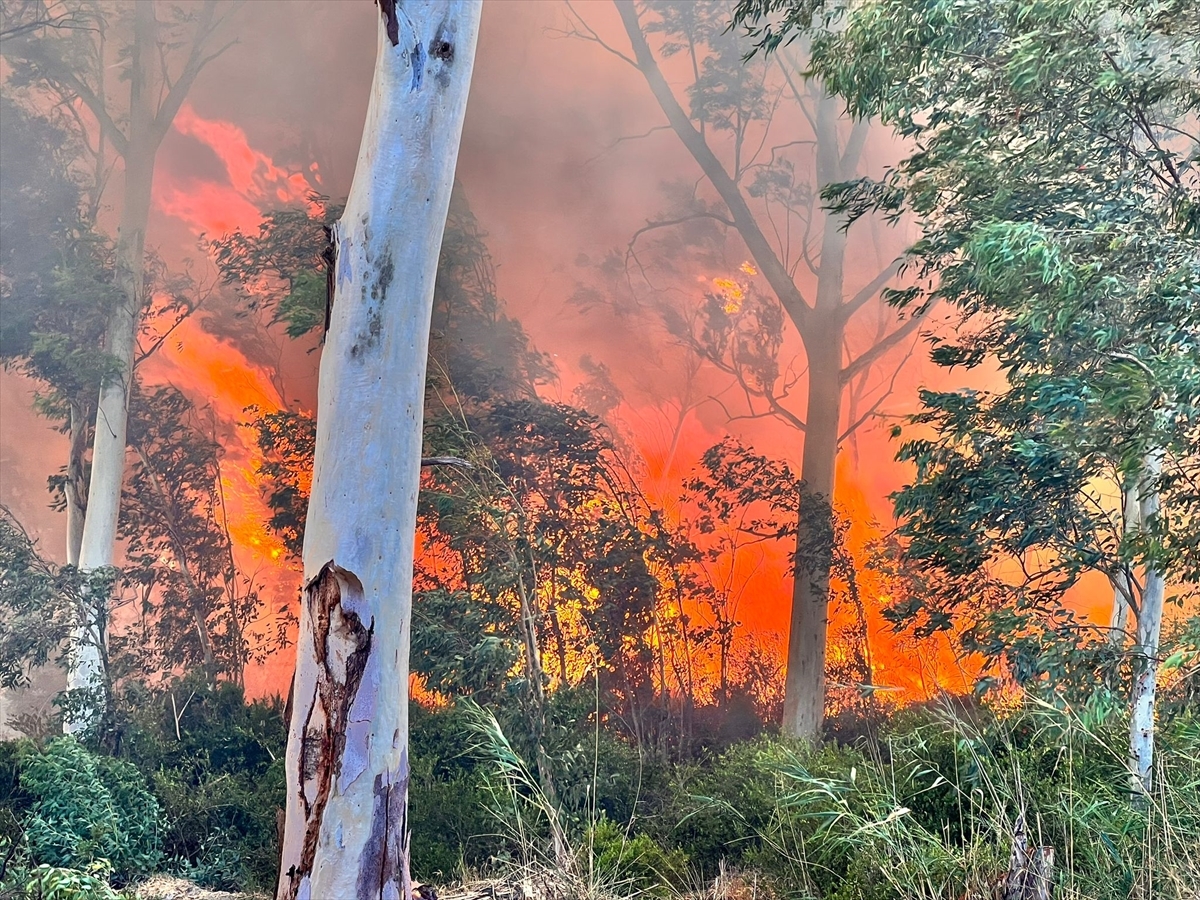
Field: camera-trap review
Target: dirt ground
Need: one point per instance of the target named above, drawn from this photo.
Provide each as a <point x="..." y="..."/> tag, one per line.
<point x="164" y="887"/>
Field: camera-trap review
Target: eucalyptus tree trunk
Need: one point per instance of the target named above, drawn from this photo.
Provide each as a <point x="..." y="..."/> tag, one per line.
<point x="804" y="681"/>
<point x="1122" y="581"/>
<point x="1149" y="630"/>
<point x="822" y="327"/>
<point x="154" y="99"/>
<point x="346" y="829"/>
<point x="99" y="534"/>
<point x="75" y="485"/>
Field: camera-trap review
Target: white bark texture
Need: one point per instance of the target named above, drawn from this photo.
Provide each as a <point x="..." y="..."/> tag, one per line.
<point x="108" y="449"/>
<point x="346" y="832"/>
<point x="1149" y="630"/>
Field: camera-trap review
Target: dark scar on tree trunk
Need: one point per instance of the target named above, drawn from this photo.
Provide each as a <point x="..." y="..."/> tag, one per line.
<point x="385" y="861"/>
<point x="387" y="9"/>
<point x="322" y="745"/>
<point x="329" y="257"/>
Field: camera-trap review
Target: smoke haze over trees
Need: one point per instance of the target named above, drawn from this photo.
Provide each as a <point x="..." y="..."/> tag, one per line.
<point x="806" y="399"/>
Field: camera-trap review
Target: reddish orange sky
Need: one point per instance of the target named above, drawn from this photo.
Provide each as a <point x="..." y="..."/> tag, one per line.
<point x="551" y="183"/>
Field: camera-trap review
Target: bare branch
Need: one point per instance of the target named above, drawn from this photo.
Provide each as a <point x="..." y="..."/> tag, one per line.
<point x="756" y="242"/>
<point x="195" y="62"/>
<point x="669" y="223"/>
<point x="855" y="303"/>
<point x="96" y="107"/>
<point x="589" y="34"/>
<point x="869" y="356"/>
<point x="874" y="408"/>
<point x="627" y="137"/>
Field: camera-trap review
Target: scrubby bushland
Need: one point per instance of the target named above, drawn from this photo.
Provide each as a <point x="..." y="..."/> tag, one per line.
<point x="925" y="807"/>
<point x="930" y="807"/>
<point x="215" y="763"/>
<point x="75" y="809"/>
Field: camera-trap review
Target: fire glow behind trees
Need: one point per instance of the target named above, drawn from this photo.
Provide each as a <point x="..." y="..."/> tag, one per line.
<point x="554" y="173"/>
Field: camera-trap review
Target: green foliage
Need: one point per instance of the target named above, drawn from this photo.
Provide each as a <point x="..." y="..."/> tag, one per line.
<point x="287" y="441"/>
<point x="448" y="799"/>
<point x="548" y="531"/>
<point x="721" y="807"/>
<point x="634" y="863"/>
<point x="196" y="609"/>
<point x="923" y="810"/>
<point x="219" y="863"/>
<point x="281" y="268"/>
<point x="88" y="808"/>
<point x="57" y="286"/>
<point x="52" y="883"/>
<point x="932" y="811"/>
<point x="1052" y="174"/>
<point x="41" y="604"/>
<point x="216" y="765"/>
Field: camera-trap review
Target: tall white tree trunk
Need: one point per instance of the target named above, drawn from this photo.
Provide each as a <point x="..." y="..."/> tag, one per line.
<point x="346" y="833"/>
<point x="108" y="450"/>
<point x="1149" y="629"/>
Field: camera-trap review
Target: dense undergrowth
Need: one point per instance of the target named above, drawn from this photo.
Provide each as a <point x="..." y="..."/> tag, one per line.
<point x="923" y="805"/>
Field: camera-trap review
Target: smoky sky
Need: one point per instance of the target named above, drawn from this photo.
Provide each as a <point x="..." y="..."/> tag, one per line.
<point x="563" y="157"/>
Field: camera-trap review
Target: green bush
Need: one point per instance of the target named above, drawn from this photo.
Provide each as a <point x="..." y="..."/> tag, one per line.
<point x="721" y="807"/>
<point x="219" y="865"/>
<point x="88" y="808"/>
<point x="51" y="883"/>
<point x="216" y="764"/>
<point x="634" y="864"/>
<point x="930" y="811"/>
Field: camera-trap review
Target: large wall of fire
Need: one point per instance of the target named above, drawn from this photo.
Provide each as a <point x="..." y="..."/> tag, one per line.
<point x="554" y="175"/>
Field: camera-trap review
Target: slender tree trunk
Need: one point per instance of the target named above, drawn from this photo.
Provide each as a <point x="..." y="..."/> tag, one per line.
<point x="864" y="627"/>
<point x="536" y="678"/>
<point x="75" y="487"/>
<point x="99" y="535"/>
<point x="1123" y="585"/>
<point x="1149" y="629"/>
<point x="804" y="683"/>
<point x="346" y="831"/>
<point x="560" y="641"/>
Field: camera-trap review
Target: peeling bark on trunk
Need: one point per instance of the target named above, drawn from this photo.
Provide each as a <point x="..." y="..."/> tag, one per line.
<point x="346" y="830"/>
<point x="1149" y="630"/>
